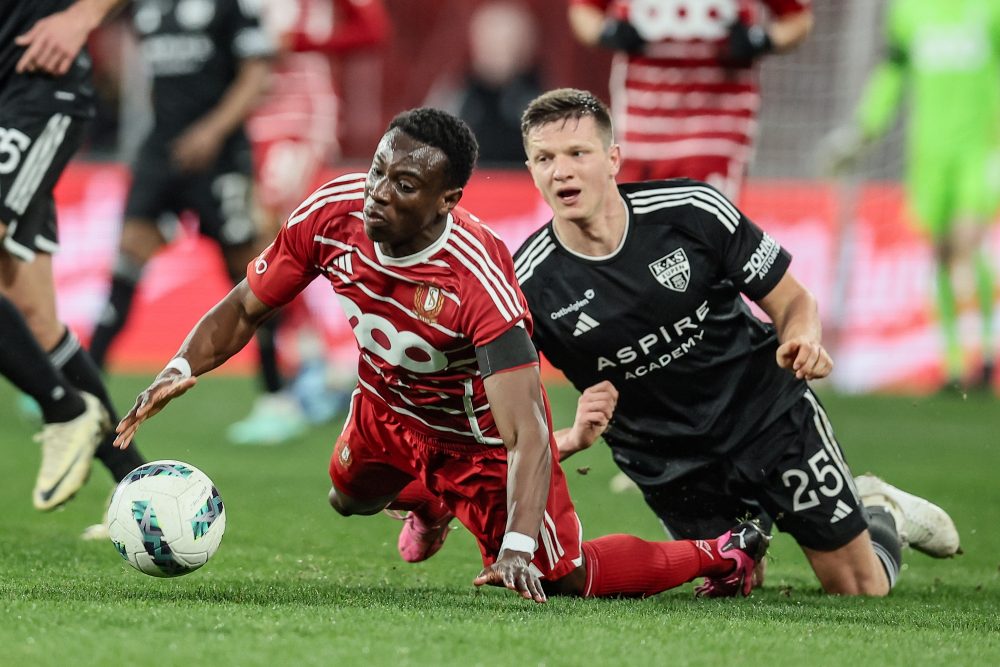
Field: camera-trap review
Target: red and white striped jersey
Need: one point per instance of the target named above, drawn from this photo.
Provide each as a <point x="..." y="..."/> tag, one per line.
<point x="417" y="319"/>
<point x="676" y="100"/>
<point x="302" y="102"/>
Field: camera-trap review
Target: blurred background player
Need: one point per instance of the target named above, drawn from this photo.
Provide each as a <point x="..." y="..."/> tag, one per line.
<point x="209" y="63"/>
<point x="946" y="57"/>
<point x="502" y="77"/>
<point x="294" y="133"/>
<point x="684" y="86"/>
<point x="42" y="123"/>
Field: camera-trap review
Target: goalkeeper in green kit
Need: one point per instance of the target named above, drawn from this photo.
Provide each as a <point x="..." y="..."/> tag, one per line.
<point x="946" y="56"/>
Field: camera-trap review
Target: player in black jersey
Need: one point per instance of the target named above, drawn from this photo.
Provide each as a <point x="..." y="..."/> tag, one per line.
<point x="209" y="61"/>
<point x="636" y="294"/>
<point x="42" y="119"/>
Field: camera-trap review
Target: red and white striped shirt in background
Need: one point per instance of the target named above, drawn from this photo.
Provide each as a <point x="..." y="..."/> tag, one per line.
<point x="678" y="110"/>
<point x="417" y="319"/>
<point x="295" y="129"/>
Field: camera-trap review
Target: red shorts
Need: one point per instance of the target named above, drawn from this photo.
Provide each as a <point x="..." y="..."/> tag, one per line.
<point x="376" y="456"/>
<point x="724" y="173"/>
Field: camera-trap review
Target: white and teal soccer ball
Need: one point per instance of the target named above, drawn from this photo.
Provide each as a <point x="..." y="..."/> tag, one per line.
<point x="166" y="518"/>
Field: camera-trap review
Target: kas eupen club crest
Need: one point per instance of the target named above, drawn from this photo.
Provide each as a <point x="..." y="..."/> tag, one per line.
<point x="673" y="271"/>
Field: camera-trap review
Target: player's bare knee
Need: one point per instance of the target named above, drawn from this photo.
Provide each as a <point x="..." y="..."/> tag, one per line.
<point x="341" y="504"/>
<point x="853" y="583"/>
<point x="347" y="506"/>
<point x="847" y="572"/>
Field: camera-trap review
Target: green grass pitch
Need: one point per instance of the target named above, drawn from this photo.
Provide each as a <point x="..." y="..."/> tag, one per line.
<point x="295" y="584"/>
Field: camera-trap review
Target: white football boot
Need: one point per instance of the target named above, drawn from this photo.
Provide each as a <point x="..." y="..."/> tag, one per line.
<point x="67" y="452"/>
<point x="920" y="523"/>
<point x="275" y="419"/>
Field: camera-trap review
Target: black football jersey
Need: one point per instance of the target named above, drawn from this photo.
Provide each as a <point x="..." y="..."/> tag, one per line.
<point x="662" y="318"/>
<point x="192" y="49"/>
<point x="72" y="93"/>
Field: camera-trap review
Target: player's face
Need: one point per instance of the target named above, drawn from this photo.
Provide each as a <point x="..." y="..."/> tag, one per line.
<point x="572" y="167"/>
<point x="406" y="201"/>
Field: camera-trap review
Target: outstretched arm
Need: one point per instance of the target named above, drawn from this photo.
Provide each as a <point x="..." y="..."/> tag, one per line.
<point x="222" y="332"/>
<point x="594" y="410"/>
<point x="54" y="41"/>
<point x="881" y="98"/>
<point x="514" y="389"/>
<point x="793" y="310"/>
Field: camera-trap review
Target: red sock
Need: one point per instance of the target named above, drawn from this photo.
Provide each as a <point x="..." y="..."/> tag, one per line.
<point x="623" y="565"/>
<point x="416" y="498"/>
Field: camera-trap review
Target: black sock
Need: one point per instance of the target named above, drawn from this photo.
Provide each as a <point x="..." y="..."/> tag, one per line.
<point x="80" y="369"/>
<point x="126" y="277"/>
<point x="25" y="364"/>
<point x="885" y="540"/>
<point x="269" y="372"/>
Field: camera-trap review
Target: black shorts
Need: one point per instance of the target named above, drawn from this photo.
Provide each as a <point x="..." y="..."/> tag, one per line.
<point x="793" y="472"/>
<point x="219" y="196"/>
<point x="34" y="149"/>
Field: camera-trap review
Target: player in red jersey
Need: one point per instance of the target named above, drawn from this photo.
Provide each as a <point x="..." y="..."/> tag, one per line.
<point x="684" y="88"/>
<point x="449" y="402"/>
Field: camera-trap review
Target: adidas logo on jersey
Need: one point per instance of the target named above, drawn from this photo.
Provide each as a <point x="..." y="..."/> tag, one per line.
<point x="585" y="323"/>
<point x="840" y="511"/>
<point x="343" y="263"/>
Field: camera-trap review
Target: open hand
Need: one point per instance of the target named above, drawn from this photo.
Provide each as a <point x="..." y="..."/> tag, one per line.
<point x="511" y="570"/>
<point x="52" y="43"/>
<point x="167" y="386"/>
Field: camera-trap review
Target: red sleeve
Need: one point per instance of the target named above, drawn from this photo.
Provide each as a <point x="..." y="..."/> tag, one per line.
<point x="358" y="24"/>
<point x="781" y="8"/>
<point x="287" y="265"/>
<point x="492" y="301"/>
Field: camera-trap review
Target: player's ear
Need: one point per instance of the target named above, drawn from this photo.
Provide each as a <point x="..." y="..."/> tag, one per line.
<point x="615" y="159"/>
<point x="449" y="199"/>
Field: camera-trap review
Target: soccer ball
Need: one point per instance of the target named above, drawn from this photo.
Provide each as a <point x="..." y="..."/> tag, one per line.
<point x="166" y="518"/>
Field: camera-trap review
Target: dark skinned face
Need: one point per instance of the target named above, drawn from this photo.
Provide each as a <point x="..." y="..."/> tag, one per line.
<point x="406" y="200"/>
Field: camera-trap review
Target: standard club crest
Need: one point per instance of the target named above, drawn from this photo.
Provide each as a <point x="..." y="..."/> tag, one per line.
<point x="345" y="455"/>
<point x="673" y="271"/>
<point x="427" y="302"/>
